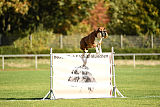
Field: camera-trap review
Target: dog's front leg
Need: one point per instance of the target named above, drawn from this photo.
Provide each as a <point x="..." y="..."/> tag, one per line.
<point x="97" y="50"/>
<point x="99" y="46"/>
<point x="100" y="49"/>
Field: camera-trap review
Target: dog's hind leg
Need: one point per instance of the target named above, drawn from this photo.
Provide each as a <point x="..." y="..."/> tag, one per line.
<point x="86" y="50"/>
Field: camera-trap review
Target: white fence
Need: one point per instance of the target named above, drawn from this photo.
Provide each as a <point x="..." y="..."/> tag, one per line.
<point x="31" y="55"/>
<point x="47" y="55"/>
<point x="136" y="54"/>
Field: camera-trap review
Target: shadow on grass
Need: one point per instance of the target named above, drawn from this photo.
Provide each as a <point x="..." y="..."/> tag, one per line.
<point x="21" y="98"/>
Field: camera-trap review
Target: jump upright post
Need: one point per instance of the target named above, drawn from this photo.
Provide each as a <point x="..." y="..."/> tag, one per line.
<point x="115" y="90"/>
<point x="52" y="97"/>
<point x="114" y="76"/>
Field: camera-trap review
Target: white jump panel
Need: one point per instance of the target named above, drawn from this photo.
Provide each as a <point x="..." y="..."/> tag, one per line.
<point x="80" y="75"/>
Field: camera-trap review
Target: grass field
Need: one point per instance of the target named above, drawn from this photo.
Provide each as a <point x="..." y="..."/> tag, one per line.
<point x="26" y="87"/>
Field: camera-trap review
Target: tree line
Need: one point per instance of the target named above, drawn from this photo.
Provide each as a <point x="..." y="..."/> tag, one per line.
<point x="19" y="18"/>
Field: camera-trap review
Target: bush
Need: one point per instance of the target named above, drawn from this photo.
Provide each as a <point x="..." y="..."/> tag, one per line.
<point x="8" y="50"/>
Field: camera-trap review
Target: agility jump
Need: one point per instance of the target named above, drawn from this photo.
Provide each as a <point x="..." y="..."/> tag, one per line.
<point x="82" y="75"/>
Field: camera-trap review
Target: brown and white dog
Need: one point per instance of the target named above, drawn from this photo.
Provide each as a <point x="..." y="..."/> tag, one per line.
<point x="89" y="41"/>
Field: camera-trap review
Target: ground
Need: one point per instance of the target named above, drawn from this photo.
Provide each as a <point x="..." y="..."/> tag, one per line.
<point x="26" y="87"/>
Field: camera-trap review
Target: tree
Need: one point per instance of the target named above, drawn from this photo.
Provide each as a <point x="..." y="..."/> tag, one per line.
<point x="122" y="13"/>
<point x="59" y="15"/>
<point x="25" y="16"/>
<point x="12" y="19"/>
<point x="11" y="13"/>
<point x="149" y="15"/>
<point x="134" y="17"/>
<point x="98" y="15"/>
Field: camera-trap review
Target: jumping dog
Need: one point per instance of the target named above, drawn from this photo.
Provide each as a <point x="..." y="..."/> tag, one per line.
<point x="89" y="41"/>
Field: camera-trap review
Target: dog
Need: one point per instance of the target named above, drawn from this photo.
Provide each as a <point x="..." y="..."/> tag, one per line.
<point x="89" y="41"/>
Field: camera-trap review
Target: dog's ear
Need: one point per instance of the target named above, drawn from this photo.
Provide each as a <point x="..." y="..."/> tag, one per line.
<point x="98" y="29"/>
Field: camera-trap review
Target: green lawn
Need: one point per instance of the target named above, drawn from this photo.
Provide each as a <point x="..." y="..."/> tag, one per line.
<point x="25" y="88"/>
